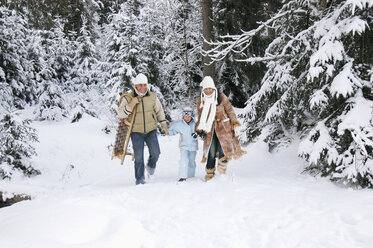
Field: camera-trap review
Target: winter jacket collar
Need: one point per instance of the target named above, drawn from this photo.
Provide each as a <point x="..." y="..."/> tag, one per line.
<point x="136" y="95"/>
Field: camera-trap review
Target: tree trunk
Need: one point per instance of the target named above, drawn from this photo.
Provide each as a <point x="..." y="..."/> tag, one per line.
<point x="208" y="67"/>
<point x="323" y="3"/>
<point x="187" y="71"/>
<point x="271" y="8"/>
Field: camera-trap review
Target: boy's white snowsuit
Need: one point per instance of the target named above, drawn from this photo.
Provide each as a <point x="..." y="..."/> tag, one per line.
<point x="188" y="147"/>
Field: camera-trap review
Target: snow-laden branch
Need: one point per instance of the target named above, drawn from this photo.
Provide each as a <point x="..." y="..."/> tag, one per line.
<point x="267" y="58"/>
<point x="239" y="43"/>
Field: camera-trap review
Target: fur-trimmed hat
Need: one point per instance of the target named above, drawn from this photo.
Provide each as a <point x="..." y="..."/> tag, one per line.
<point x="140" y="79"/>
<point x="187" y="111"/>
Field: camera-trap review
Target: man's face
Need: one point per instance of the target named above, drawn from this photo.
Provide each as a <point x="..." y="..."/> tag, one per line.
<point x="208" y="91"/>
<point x="141" y="88"/>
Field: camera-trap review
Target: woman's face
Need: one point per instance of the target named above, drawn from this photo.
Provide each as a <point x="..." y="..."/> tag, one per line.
<point x="208" y="91"/>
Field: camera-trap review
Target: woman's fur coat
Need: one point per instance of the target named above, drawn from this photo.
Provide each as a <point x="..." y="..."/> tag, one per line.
<point x="224" y="119"/>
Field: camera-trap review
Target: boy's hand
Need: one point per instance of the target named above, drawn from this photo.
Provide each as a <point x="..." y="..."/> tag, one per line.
<point x="194" y="135"/>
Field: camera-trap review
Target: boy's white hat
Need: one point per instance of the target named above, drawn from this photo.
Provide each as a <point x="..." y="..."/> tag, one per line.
<point x="140" y="79"/>
<point x="187" y="111"/>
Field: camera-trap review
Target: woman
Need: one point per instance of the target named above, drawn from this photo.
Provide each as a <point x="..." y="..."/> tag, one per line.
<point x="217" y="121"/>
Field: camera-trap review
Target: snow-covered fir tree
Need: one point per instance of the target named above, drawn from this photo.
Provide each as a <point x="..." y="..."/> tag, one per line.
<point x="317" y="86"/>
<point x="121" y="41"/>
<point x="240" y="80"/>
<point x="181" y="65"/>
<point x="16" y="151"/>
<point x="55" y="75"/>
<point x="14" y="63"/>
<point x="144" y="37"/>
<point x="150" y="41"/>
<point x="85" y="82"/>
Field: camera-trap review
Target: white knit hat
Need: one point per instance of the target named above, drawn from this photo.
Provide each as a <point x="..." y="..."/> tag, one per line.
<point x="140" y="79"/>
<point x="207" y="82"/>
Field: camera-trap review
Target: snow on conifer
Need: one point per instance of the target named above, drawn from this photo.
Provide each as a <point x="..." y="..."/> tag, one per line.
<point x="16" y="151"/>
<point x="317" y="87"/>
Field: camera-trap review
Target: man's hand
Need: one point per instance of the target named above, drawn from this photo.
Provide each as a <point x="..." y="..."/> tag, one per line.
<point x="133" y="102"/>
<point x="164" y="128"/>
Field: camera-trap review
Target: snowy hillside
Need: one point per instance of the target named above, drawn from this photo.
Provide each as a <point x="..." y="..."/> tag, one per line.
<point x="83" y="199"/>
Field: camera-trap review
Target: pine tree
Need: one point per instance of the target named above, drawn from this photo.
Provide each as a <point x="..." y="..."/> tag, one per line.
<point x="13" y="56"/>
<point x="55" y="78"/>
<point x="179" y="39"/>
<point x="84" y="76"/>
<point x="16" y="151"/>
<point x="240" y="80"/>
<point x="317" y="86"/>
<point x="121" y="41"/>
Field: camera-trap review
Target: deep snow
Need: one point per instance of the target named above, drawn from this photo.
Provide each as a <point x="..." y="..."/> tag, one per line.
<point x="84" y="199"/>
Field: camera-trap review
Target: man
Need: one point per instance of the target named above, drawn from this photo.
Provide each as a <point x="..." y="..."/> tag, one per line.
<point x="149" y="110"/>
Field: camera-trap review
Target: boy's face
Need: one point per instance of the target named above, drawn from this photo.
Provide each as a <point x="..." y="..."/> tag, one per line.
<point x="187" y="119"/>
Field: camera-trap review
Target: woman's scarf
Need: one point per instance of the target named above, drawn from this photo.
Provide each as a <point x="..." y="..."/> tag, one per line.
<point x="208" y="105"/>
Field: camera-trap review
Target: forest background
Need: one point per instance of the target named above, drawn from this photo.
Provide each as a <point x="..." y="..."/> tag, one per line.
<point x="298" y="71"/>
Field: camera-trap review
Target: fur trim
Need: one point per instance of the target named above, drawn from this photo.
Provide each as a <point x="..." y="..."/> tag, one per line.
<point x="239" y="154"/>
<point x="210" y="173"/>
<point x="222" y="167"/>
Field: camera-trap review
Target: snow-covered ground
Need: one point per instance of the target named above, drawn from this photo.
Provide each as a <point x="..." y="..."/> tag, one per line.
<point x="83" y="199"/>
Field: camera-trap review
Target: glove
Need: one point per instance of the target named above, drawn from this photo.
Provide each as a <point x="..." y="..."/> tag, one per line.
<point x="234" y="124"/>
<point x="164" y="129"/>
<point x="202" y="135"/>
<point x="133" y="102"/>
<point x="194" y="135"/>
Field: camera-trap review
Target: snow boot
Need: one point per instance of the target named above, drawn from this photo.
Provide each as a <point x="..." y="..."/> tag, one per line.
<point x="182" y="180"/>
<point x="210" y="173"/>
<point x="150" y="170"/>
<point x="222" y="167"/>
<point x="140" y="181"/>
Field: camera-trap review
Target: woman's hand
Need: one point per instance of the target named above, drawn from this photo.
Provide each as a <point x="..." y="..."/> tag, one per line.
<point x="234" y="124"/>
<point x="201" y="134"/>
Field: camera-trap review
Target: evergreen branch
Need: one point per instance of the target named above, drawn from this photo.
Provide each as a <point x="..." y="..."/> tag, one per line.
<point x="233" y="43"/>
<point x="254" y="60"/>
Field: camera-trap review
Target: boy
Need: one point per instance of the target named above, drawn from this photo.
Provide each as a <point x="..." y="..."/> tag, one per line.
<point x="188" y="144"/>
